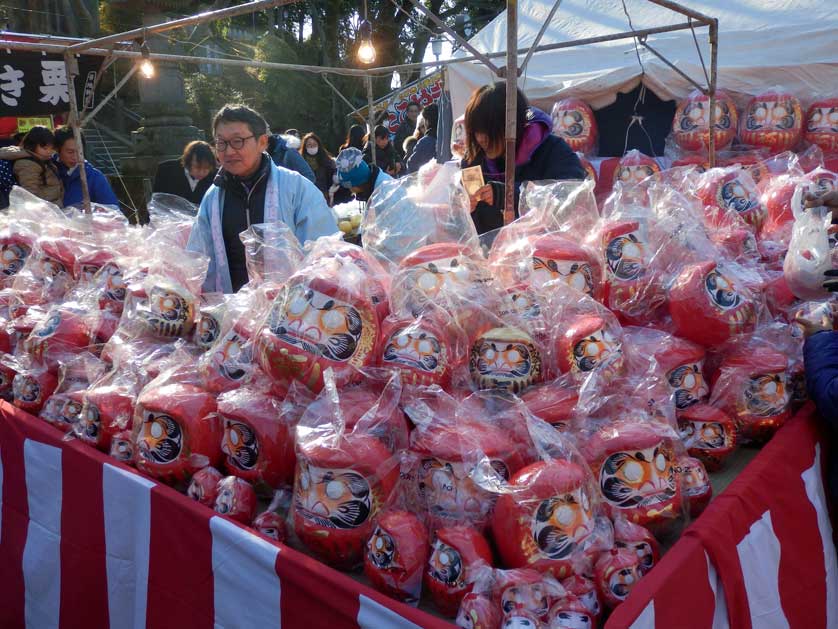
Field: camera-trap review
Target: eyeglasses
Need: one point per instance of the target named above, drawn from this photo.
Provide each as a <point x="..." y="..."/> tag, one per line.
<point x="235" y="143"/>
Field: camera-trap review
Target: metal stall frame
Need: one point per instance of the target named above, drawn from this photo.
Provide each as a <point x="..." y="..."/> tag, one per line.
<point x="510" y="71"/>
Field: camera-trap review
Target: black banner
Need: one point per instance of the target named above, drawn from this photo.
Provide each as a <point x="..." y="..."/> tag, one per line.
<point x="33" y="84"/>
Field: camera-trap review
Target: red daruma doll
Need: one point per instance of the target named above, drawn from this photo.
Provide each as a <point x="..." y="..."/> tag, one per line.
<point x="177" y="431"/>
<point x="456" y="552"/>
<point x="634" y="465"/>
<point x="557" y="258"/>
<point x="590" y="343"/>
<point x="236" y="499"/>
<point x="691" y="124"/>
<point x="617" y="572"/>
<point x="822" y="124"/>
<point x="708" y="434"/>
<point x="708" y="305"/>
<point x="574" y="122"/>
<point x="682" y="363"/>
<point x="546" y="519"/>
<point x="396" y="554"/>
<point x="258" y="442"/>
<point x="315" y="324"/>
<point x="634" y="167"/>
<point x="443" y="469"/>
<point x="773" y="120"/>
<point x="420" y="349"/>
<point x="752" y="386"/>
<point x="105" y="411"/>
<point x="341" y="484"/>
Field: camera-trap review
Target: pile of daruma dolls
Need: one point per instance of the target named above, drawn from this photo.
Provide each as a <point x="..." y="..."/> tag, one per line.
<point x="507" y="430"/>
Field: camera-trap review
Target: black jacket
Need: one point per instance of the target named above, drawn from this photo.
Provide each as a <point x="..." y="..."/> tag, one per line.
<point x="171" y="179"/>
<point x="244" y="205"/>
<point x="423" y="152"/>
<point x="553" y="159"/>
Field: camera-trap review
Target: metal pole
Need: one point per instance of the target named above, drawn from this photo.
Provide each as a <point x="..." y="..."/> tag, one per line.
<point x="683" y="26"/>
<point x="464" y="43"/>
<point x="680" y="8"/>
<point x="72" y="69"/>
<point x="107" y="98"/>
<point x="511" y="109"/>
<point x="371" y="119"/>
<point x="208" y="16"/>
<point x="714" y="62"/>
<point x="686" y="77"/>
<point x="541" y="32"/>
<point x="352" y="107"/>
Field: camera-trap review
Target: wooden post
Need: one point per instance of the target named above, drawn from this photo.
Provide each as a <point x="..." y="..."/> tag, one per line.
<point x="72" y="67"/>
<point x="370" y="118"/>
<point x="511" y="109"/>
<point x="714" y="62"/>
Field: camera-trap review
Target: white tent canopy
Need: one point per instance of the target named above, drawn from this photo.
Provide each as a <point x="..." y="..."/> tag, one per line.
<point x="762" y="44"/>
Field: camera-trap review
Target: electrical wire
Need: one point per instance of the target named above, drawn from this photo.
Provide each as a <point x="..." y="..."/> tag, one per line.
<point x="641" y="96"/>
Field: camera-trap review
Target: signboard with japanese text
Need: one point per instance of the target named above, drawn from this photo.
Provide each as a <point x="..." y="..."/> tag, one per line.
<point x="24" y="124"/>
<point x="33" y="84"/>
<point x="391" y="110"/>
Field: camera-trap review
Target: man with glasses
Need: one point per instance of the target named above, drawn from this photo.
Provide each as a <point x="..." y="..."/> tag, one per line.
<point x="248" y="190"/>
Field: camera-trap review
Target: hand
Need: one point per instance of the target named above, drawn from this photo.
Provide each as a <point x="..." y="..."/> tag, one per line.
<point x="831" y="280"/>
<point x="483" y="193"/>
<point x="818" y="319"/>
<point x="830" y="200"/>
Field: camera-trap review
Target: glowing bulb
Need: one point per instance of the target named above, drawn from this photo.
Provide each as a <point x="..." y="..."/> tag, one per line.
<point x="366" y="52"/>
<point x="147" y="69"/>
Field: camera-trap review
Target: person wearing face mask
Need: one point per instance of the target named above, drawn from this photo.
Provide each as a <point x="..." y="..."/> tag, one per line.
<point x="248" y="190"/>
<point x="190" y="176"/>
<point x="67" y="161"/>
<point x="33" y="166"/>
<point x="539" y="154"/>
<point x="320" y="161"/>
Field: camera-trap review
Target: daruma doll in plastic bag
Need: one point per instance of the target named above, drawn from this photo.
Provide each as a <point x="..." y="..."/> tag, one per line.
<point x="617" y="572"/>
<point x="752" y="386"/>
<point x="258" y="441"/>
<point x="584" y="589"/>
<point x="589" y="344"/>
<point x="682" y="363"/>
<point x="106" y="410"/>
<point x="424" y="350"/>
<point x="176" y="430"/>
<point x="639" y="540"/>
<point x="708" y="434"/>
<point x="691" y="124"/>
<point x="316" y="323"/>
<point x="634" y="464"/>
<point x="547" y="517"/>
<point x="396" y="555"/>
<point x="344" y="477"/>
<point x="573" y="121"/>
<point x="505" y="358"/>
<point x="203" y="486"/>
<point x="634" y="167"/>
<point x="236" y="499"/>
<point x="695" y="483"/>
<point x="822" y="124"/>
<point x="456" y="552"/>
<point x="734" y="190"/>
<point x="772" y="119"/>
<point x="709" y="304"/>
<point x="556" y="258"/>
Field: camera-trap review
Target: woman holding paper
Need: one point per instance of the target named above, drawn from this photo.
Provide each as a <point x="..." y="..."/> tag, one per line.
<point x="539" y="155"/>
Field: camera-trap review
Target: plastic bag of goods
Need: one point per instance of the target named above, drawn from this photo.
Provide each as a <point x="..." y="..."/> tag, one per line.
<point x="345" y="476"/>
<point x="709" y="434"/>
<point x="64" y="407"/>
<point x="236" y="499"/>
<point x="272" y="252"/>
<point x="397" y="554"/>
<point x="691" y="124"/>
<point x="731" y="189"/>
<point x="810" y="254"/>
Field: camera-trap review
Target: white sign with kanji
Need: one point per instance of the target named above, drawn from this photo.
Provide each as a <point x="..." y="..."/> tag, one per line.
<point x="11" y="85"/>
<point x="54" y="82"/>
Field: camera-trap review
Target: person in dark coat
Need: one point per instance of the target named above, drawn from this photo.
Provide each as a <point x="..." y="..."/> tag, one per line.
<point x="539" y="155"/>
<point x="190" y="176"/>
<point x="355" y="138"/>
<point x="425" y="149"/>
<point x="285" y="152"/>
<point x="67" y="161"/>
<point x="386" y="157"/>
<point x="406" y="129"/>
<point x="320" y="161"/>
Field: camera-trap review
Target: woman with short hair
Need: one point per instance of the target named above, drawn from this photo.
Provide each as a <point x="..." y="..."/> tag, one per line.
<point x="190" y="176"/>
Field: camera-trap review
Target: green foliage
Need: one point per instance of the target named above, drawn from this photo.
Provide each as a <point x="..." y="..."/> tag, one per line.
<point x="207" y="94"/>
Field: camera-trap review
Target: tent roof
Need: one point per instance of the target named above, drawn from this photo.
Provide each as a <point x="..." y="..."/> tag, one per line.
<point x="762" y="44"/>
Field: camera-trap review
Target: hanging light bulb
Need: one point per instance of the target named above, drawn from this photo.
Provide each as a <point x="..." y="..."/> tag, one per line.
<point x="146" y="66"/>
<point x="366" y="51"/>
